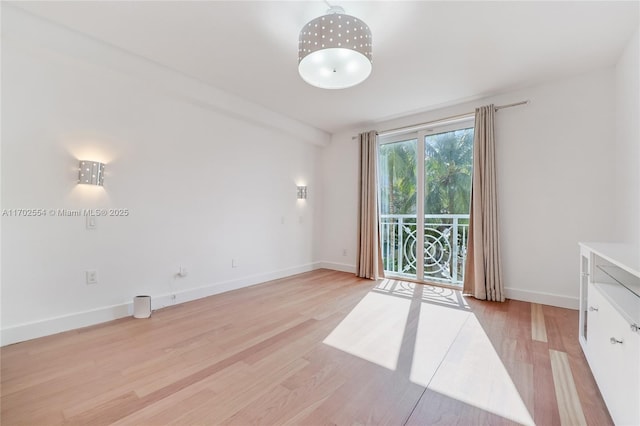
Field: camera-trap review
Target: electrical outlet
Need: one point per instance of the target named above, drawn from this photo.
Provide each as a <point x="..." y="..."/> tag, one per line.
<point x="182" y="271"/>
<point x="344" y="252"/>
<point x="235" y="263"/>
<point x="91" y="276"/>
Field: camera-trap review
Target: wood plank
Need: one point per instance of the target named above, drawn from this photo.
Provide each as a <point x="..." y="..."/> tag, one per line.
<point x="474" y="373"/>
<point x="568" y="400"/>
<point x="545" y="403"/>
<point x="538" y="328"/>
<point x="439" y="409"/>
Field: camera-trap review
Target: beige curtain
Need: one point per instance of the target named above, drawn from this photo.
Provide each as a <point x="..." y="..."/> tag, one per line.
<point x="369" y="260"/>
<point x="483" y="272"/>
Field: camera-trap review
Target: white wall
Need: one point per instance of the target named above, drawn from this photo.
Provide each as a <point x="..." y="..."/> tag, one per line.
<point x="628" y="142"/>
<point x="203" y="184"/>
<point x="555" y="170"/>
<point x="339" y="171"/>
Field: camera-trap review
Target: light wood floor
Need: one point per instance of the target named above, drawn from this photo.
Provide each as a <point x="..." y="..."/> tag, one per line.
<point x="318" y="348"/>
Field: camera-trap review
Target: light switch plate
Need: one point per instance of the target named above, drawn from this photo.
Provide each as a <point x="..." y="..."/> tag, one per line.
<point x="92" y="222"/>
<point x="91" y="276"/>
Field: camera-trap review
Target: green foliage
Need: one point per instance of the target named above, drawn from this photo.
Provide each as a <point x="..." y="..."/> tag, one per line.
<point x="448" y="171"/>
<point x="398" y="177"/>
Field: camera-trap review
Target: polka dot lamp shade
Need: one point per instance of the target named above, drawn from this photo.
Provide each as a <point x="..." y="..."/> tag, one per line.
<point x="334" y="51"/>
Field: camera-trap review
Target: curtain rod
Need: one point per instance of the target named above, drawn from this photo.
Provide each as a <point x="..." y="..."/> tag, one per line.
<point x="445" y="119"/>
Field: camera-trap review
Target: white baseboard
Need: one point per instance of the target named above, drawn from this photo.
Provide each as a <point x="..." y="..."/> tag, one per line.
<point x="543" y="298"/>
<point x="32" y="330"/>
<point x="164" y="300"/>
<point x="343" y="267"/>
<point x="46" y="327"/>
<point x="511" y="293"/>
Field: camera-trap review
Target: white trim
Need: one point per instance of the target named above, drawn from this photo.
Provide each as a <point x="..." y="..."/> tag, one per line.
<point x="436" y="129"/>
<point x="49" y="326"/>
<point x="552" y="299"/>
<point x="40" y="328"/>
<point x="46" y="327"/>
<point x="342" y="267"/>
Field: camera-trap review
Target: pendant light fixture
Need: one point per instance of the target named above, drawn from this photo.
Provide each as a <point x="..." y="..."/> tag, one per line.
<point x="334" y="50"/>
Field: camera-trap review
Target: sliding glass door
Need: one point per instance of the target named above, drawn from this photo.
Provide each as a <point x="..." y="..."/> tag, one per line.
<point x="424" y="190"/>
<point x="398" y="186"/>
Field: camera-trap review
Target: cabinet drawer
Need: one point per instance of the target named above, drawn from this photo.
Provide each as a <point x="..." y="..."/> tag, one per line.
<point x="615" y="363"/>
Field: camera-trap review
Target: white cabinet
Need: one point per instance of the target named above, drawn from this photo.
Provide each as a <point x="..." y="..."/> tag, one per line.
<point x="609" y="320"/>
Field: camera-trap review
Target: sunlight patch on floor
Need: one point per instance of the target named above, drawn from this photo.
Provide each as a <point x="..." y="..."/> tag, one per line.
<point x="472" y="372"/>
<point x="430" y="293"/>
<point x="373" y="330"/>
<point x="438" y="327"/>
<point x="449" y="351"/>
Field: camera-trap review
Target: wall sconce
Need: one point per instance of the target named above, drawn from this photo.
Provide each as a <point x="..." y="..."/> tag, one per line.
<point x="302" y="193"/>
<point x="91" y="173"/>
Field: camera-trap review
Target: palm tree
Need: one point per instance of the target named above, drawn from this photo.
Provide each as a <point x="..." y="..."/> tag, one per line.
<point x="397" y="192"/>
<point x="448" y="169"/>
<point x="398" y="177"/>
<point x="448" y="173"/>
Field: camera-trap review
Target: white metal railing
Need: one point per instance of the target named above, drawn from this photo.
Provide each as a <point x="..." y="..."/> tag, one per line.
<point x="445" y="246"/>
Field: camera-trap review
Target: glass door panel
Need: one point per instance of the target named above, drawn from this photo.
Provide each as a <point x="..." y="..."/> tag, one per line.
<point x="397" y="185"/>
<point x="448" y="165"/>
<point x="424" y="223"/>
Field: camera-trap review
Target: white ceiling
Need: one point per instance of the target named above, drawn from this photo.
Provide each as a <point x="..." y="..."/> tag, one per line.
<point x="426" y="54"/>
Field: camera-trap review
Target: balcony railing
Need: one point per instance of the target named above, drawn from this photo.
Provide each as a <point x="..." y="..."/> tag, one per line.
<point x="445" y="246"/>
